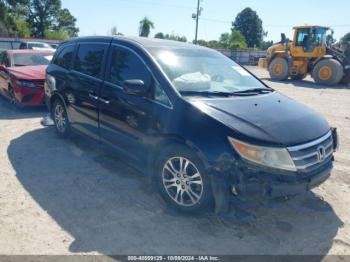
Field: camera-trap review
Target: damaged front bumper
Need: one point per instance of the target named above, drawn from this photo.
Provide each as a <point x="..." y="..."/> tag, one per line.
<point x="260" y="184"/>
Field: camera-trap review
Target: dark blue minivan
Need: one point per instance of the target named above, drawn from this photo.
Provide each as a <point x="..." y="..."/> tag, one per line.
<point x="201" y="125"/>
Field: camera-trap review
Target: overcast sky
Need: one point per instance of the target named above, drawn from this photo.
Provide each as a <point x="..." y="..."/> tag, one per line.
<point x="174" y="16"/>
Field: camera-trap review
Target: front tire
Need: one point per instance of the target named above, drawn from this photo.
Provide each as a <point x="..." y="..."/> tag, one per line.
<point x="60" y="118"/>
<point x="278" y="69"/>
<point x="328" y="72"/>
<point x="182" y="181"/>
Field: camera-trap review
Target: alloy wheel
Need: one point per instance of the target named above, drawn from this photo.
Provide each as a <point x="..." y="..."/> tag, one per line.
<point x="60" y="118"/>
<point x="182" y="181"/>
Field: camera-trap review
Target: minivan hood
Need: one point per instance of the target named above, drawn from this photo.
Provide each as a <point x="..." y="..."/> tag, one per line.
<point x="28" y="72"/>
<point x="267" y="118"/>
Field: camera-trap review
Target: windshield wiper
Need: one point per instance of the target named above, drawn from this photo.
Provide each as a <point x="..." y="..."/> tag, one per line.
<point x="206" y="93"/>
<point x="255" y="91"/>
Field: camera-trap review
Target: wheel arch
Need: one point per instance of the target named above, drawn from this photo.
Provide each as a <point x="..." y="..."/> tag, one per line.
<point x="319" y="59"/>
<point x="168" y="141"/>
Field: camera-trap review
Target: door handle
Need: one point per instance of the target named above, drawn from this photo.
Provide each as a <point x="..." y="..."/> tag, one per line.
<point x="105" y="101"/>
<point x="93" y="96"/>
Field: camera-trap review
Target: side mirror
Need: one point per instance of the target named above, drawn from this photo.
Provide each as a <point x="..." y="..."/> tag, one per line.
<point x="2" y="67"/>
<point x="135" y="87"/>
<point x="283" y="38"/>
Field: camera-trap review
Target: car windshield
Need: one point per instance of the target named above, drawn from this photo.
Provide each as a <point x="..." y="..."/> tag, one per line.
<point x="31" y="59"/>
<point x="202" y="71"/>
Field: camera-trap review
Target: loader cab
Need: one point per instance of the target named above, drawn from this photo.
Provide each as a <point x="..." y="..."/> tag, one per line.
<point x="309" y="41"/>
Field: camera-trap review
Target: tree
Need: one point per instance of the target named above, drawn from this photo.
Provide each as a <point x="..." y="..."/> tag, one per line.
<point x="250" y="25"/>
<point x="56" y="34"/>
<point x="237" y="40"/>
<point x="233" y="40"/>
<point x="159" y="35"/>
<point x="345" y="39"/>
<point x="172" y="36"/>
<point x="66" y="22"/>
<point x="145" y="27"/>
<point x="266" y="44"/>
<point x="11" y="21"/>
<point x="224" y="40"/>
<point x="46" y="15"/>
<point x="42" y="15"/>
<point x="114" y="30"/>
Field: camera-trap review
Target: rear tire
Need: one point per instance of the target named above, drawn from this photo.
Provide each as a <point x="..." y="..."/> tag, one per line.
<point x="278" y="69"/>
<point x="328" y="72"/>
<point x="60" y="119"/>
<point x="181" y="180"/>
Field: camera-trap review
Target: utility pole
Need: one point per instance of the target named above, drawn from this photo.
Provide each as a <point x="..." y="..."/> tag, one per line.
<point x="196" y="16"/>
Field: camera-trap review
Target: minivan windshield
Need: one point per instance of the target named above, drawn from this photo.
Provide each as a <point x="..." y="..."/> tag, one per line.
<point x="204" y="72"/>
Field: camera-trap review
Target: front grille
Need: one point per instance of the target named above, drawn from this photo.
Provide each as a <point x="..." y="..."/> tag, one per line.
<point x="310" y="156"/>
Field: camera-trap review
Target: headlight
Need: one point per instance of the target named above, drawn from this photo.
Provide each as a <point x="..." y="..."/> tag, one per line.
<point x="266" y="156"/>
<point x="25" y="83"/>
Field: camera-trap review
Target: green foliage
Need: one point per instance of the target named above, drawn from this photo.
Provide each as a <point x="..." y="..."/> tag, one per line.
<point x="345" y="39"/>
<point x="22" y="28"/>
<point x="173" y="37"/>
<point x="237" y="40"/>
<point x="159" y="35"/>
<point x="250" y="25"/>
<point x="145" y="27"/>
<point x="233" y="40"/>
<point x="66" y="22"/>
<point x="56" y="34"/>
<point x="42" y="15"/>
<point x="114" y="30"/>
<point x="266" y="44"/>
<point x="25" y="18"/>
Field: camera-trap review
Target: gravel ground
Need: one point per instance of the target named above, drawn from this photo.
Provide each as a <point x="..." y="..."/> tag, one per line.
<point x="68" y="197"/>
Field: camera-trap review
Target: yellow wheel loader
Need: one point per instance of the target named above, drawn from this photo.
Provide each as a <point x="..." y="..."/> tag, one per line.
<point x="308" y="53"/>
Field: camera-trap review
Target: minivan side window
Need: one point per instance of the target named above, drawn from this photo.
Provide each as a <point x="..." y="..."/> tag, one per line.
<point x="126" y="65"/>
<point x="65" y="57"/>
<point x="89" y="59"/>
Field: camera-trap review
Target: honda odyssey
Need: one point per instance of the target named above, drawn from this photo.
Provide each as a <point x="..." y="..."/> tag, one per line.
<point x="201" y="125"/>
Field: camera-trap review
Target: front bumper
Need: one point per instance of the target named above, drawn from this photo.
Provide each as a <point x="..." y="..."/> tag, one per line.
<point x="30" y="96"/>
<point x="267" y="185"/>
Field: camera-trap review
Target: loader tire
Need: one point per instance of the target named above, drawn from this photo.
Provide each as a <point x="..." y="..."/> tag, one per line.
<point x="278" y="69"/>
<point x="328" y="72"/>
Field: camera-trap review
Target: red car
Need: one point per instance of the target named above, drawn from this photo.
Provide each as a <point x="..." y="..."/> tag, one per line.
<point x="22" y="75"/>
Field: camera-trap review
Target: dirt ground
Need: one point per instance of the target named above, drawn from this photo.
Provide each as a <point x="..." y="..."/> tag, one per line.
<point x="68" y="197"/>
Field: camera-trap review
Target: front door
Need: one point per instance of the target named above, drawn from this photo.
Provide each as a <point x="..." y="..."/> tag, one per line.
<point x="129" y="122"/>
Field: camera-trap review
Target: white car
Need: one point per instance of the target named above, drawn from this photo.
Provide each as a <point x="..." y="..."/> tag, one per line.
<point x="36" y="46"/>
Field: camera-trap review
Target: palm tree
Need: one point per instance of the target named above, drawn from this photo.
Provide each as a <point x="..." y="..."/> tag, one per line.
<point x="145" y="27"/>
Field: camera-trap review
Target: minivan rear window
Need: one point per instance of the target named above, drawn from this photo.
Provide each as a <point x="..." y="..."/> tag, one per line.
<point x="89" y="59"/>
